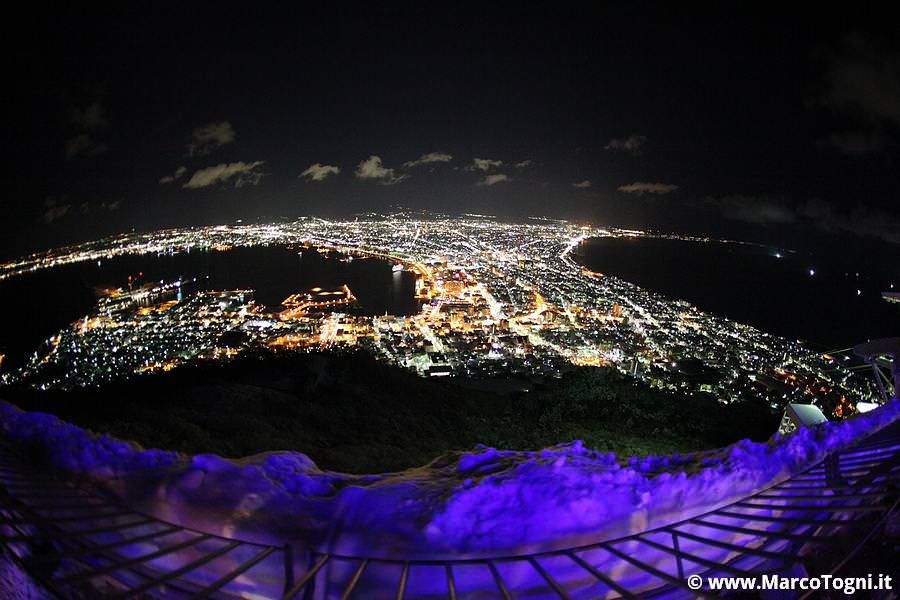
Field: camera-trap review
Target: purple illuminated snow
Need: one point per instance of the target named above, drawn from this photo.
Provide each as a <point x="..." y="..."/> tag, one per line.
<point x="484" y="502"/>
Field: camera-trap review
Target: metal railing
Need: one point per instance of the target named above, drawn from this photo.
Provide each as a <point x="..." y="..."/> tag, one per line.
<point x="79" y="542"/>
<point x="882" y="356"/>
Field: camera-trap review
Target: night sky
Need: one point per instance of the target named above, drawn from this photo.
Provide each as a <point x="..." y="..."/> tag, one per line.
<point x="768" y="126"/>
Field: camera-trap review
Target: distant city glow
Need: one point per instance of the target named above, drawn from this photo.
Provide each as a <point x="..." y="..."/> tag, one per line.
<point x="496" y="299"/>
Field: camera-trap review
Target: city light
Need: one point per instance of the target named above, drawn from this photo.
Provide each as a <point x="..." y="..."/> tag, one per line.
<point x="496" y="299"/>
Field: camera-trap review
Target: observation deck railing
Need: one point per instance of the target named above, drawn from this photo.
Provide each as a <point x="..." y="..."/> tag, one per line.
<point x="79" y="542"/>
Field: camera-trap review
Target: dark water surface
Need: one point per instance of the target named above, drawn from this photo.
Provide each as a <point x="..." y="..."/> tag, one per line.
<point x="37" y="305"/>
<point x="833" y="307"/>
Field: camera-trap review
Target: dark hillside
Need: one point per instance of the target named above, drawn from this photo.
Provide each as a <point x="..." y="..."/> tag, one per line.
<point x="352" y="413"/>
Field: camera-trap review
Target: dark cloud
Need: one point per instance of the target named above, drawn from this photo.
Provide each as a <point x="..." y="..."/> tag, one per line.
<point x="863" y="85"/>
<point x="84" y="145"/>
<point x="89" y="118"/>
<point x="210" y="137"/>
<point x="642" y="187"/>
<point x="857" y="143"/>
<point x="55" y="208"/>
<point x="318" y="172"/>
<point x="58" y="207"/>
<point x="427" y="159"/>
<point x="178" y="174"/>
<point x="860" y="220"/>
<point x="758" y="209"/>
<point x="631" y="144"/>
<point x="240" y="173"/>
<point x="371" y="168"/>
<point x="484" y="164"/>
<point x="87" y="122"/>
<point x="825" y="216"/>
<point x="494" y="179"/>
<point x="865" y="79"/>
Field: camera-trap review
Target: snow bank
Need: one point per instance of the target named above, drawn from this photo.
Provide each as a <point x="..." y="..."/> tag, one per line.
<point x="484" y="502"/>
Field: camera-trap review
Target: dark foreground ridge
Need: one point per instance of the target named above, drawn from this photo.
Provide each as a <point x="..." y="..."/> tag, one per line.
<point x="349" y="412"/>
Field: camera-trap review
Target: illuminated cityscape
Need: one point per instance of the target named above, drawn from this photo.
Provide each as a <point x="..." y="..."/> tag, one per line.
<point x="361" y="301"/>
<point x="497" y="299"/>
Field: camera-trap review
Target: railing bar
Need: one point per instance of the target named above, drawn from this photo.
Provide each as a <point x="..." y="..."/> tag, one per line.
<point x="860" y="496"/>
<point x="881" y="478"/>
<point x="287" y="560"/>
<point x="677" y="549"/>
<point x="647" y="568"/>
<point x="886" y="444"/>
<point x="245" y="566"/>
<point x="30" y="484"/>
<point x="834" y="508"/>
<point x="307" y="577"/>
<point x="556" y="587"/>
<point x="439" y="562"/>
<point x="41" y="491"/>
<point x="208" y="558"/>
<point x="106" y="528"/>
<point x="873" y="444"/>
<point x="859" y="471"/>
<point x="874" y="458"/>
<point x="596" y="573"/>
<point x="498" y="580"/>
<point x="876" y="473"/>
<point x="37" y="520"/>
<point x="874" y="529"/>
<point x="87" y="575"/>
<point x="868" y="465"/>
<point x="67" y="518"/>
<point x="870" y="460"/>
<point x="75" y="553"/>
<point x="401" y="590"/>
<point x="866" y="538"/>
<point x="67" y="506"/>
<point x="355" y="579"/>
<point x="103" y="503"/>
<point x="68" y="533"/>
<point x="740" y="549"/>
<point x="836" y="488"/>
<point x="8" y="473"/>
<point x="796" y="537"/>
<point x="699" y="559"/>
<point x="789" y="520"/>
<point x="451" y="586"/>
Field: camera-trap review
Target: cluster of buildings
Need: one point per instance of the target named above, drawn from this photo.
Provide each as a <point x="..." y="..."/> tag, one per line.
<point x="497" y="299"/>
